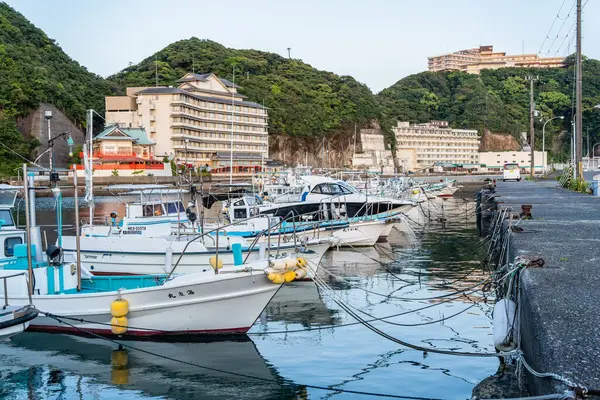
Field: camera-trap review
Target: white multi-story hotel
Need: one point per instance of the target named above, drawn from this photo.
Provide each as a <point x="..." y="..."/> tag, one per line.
<point x="436" y="144"/>
<point x="193" y="123"/>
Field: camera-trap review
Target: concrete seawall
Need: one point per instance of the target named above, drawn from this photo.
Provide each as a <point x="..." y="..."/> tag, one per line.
<point x="560" y="303"/>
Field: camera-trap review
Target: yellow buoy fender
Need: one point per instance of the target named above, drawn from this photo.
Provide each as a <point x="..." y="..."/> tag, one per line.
<point x="300" y="273"/>
<point x="416" y="191"/>
<point x="118" y="325"/>
<point x="119" y="308"/>
<point x="276" y="278"/>
<point x="290" y="263"/>
<point x="289" y="275"/>
<point x="301" y="262"/>
<point x="279" y="265"/>
<point x="213" y="262"/>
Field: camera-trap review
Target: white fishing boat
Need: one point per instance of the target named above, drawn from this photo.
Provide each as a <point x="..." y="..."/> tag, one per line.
<point x="183" y="304"/>
<point x="69" y="299"/>
<point x="325" y="198"/>
<point x="138" y="256"/>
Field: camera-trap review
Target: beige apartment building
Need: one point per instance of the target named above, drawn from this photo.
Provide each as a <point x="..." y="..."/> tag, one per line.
<point x="436" y="144"/>
<point x="372" y="154"/>
<point x="473" y="61"/>
<point x="193" y="123"/>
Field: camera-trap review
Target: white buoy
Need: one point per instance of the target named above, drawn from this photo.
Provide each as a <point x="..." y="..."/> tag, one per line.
<point x="504" y="325"/>
<point x="168" y="259"/>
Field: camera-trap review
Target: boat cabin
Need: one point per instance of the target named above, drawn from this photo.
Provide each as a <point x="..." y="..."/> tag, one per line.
<point x="10" y="235"/>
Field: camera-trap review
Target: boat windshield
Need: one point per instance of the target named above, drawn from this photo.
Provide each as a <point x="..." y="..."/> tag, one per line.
<point x="254" y="201"/>
<point x="175" y="207"/>
<point x="6" y="218"/>
<point x="348" y="187"/>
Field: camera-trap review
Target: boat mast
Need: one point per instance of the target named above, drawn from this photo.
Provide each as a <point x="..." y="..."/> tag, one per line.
<point x="28" y="231"/>
<point x="77" y="233"/>
<point x="232" y="119"/>
<point x="89" y="184"/>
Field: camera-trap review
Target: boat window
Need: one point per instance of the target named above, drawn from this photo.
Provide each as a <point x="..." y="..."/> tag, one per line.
<point x="6" y="218"/>
<point x="174" y="207"/>
<point x="317" y="189"/>
<point x="254" y="201"/>
<point x="347" y="189"/>
<point x="9" y="245"/>
<point x="153" y="210"/>
<point x="240" y="213"/>
<point x="239" y="203"/>
<point x="334" y="189"/>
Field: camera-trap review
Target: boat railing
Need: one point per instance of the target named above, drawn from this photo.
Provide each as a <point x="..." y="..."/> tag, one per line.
<point x="4" y="279"/>
<point x="217" y="234"/>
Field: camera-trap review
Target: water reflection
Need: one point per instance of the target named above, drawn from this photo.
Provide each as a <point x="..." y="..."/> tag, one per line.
<point x="48" y="362"/>
<point x="323" y="346"/>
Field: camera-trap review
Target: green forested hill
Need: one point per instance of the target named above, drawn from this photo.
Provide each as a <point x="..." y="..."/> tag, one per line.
<point x="302" y="100"/>
<point x="497" y="100"/>
<point x="34" y="69"/>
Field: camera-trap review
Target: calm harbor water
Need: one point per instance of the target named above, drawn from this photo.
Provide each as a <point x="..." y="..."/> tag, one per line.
<point x="303" y="338"/>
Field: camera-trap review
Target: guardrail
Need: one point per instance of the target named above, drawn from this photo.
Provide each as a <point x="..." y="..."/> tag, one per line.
<point x="4" y="278"/>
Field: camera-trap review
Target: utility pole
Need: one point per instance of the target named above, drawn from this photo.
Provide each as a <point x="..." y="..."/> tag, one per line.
<point x="578" y="106"/>
<point x="156" y="70"/>
<point x="48" y="116"/>
<point x="531" y="79"/>
<point x="323" y="153"/>
<point x="355" y="140"/>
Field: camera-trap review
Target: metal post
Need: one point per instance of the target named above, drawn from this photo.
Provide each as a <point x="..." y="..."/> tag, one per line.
<point x="5" y="294"/>
<point x="90" y="133"/>
<point x="232" y="119"/>
<point x="50" y="156"/>
<point x="531" y="124"/>
<point x="269" y="238"/>
<point x="28" y="231"/>
<point x="77" y="233"/>
<point x="217" y="254"/>
<point x="578" y="99"/>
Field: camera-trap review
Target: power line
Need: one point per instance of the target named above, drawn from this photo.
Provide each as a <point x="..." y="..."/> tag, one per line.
<point x="552" y="26"/>
<point x="560" y="29"/>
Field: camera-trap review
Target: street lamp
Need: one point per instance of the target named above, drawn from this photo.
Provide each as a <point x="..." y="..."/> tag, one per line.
<point x="596" y="107"/>
<point x="185" y="143"/>
<point x="544" y="141"/>
<point x="594" y="156"/>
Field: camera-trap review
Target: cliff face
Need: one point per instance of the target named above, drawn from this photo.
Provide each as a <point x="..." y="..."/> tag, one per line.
<point x="35" y="126"/>
<point x="333" y="151"/>
<point x="498" y="142"/>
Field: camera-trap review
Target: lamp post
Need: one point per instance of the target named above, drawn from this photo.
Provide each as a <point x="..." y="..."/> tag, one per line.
<point x="544" y="141"/>
<point x="185" y="161"/>
<point x="596" y="107"/>
<point x="594" y="156"/>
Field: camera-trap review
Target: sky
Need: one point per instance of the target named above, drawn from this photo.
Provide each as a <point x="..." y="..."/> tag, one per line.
<point x="378" y="42"/>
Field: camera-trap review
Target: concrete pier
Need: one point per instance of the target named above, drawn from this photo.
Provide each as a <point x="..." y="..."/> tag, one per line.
<point x="560" y="303"/>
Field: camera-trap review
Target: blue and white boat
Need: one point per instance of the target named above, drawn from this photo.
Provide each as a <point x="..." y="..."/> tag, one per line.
<point x="69" y="298"/>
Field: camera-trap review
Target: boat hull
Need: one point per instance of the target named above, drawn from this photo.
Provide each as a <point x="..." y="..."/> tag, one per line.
<point x="195" y="304"/>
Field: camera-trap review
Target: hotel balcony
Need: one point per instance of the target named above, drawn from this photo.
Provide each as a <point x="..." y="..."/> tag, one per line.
<point x="217" y="120"/>
<point x="260" y="112"/>
<point x="220" y="130"/>
<point x="225" y="139"/>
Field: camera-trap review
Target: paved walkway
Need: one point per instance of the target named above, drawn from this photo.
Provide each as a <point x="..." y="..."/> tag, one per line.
<point x="561" y="301"/>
